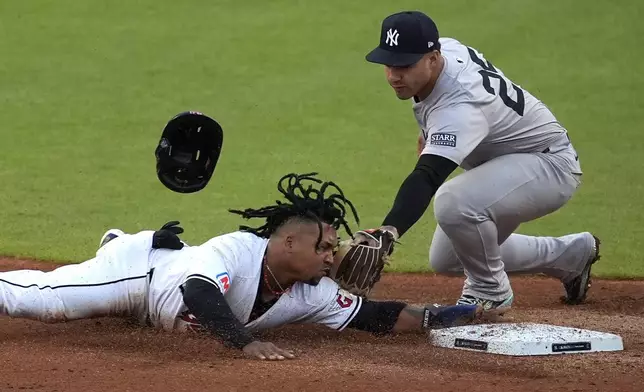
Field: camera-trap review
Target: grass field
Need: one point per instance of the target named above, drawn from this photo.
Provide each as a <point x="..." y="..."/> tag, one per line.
<point x="86" y="87"/>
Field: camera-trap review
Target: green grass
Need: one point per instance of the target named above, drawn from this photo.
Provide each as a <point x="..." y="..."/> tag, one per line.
<point x="86" y="87"/>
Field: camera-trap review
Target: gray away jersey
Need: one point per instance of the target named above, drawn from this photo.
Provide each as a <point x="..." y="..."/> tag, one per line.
<point x="475" y="113"/>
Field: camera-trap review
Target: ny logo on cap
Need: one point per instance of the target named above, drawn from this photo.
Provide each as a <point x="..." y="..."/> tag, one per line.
<point x="392" y="37"/>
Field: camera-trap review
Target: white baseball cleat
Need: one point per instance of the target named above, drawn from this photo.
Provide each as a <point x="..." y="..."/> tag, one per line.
<point x="109" y="236"/>
<point x="498" y="307"/>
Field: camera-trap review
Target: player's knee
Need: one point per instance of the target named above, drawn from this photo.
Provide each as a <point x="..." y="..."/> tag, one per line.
<point x="449" y="207"/>
<point x="35" y="304"/>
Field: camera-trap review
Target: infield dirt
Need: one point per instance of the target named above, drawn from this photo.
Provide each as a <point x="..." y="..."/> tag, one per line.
<point x="115" y="355"/>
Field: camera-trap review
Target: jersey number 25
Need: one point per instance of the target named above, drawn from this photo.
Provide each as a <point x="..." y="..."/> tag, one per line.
<point x="488" y="72"/>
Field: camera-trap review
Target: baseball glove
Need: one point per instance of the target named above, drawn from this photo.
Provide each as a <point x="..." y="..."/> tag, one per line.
<point x="188" y="151"/>
<point x="359" y="262"/>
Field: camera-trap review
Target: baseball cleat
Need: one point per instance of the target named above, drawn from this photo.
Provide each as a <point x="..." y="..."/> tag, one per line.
<point x="499" y="307"/>
<point x="109" y="236"/>
<point x="577" y="289"/>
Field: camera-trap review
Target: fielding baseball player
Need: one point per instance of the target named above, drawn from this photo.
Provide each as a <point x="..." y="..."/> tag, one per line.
<point x="231" y="285"/>
<point x="518" y="159"/>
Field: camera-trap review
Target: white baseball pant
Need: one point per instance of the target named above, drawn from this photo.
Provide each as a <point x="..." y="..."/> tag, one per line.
<point x="114" y="283"/>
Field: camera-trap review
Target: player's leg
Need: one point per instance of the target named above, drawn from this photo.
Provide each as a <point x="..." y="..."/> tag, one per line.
<point x="480" y="209"/>
<point x="114" y="283"/>
<point x="557" y="257"/>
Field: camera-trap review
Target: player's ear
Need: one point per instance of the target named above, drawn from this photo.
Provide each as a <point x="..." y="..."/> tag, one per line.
<point x="289" y="243"/>
<point x="433" y="57"/>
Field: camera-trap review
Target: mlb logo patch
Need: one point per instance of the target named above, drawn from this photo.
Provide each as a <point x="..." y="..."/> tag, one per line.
<point x="224" y="281"/>
<point x="443" y="139"/>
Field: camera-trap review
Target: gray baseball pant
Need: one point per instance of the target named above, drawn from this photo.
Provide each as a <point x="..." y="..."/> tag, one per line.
<point x="478" y="211"/>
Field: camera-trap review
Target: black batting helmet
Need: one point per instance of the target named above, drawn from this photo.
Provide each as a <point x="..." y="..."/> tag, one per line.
<point x="188" y="151"/>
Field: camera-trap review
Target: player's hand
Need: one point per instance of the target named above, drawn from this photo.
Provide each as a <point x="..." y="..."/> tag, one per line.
<point x="360" y="238"/>
<point x="167" y="237"/>
<point x="266" y="350"/>
<point x="442" y="316"/>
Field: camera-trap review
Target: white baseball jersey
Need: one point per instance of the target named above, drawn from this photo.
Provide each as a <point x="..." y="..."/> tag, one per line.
<point x="129" y="278"/>
<point x="233" y="262"/>
<point x="475" y="113"/>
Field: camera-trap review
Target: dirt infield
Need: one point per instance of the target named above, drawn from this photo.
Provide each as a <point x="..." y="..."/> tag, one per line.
<point x="114" y="355"/>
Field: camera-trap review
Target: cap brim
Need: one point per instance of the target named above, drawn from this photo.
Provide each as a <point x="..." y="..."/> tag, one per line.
<point x="393" y="59"/>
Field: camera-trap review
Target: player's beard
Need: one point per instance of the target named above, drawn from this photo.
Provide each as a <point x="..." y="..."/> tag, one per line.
<point x="316" y="279"/>
<point x="402" y="93"/>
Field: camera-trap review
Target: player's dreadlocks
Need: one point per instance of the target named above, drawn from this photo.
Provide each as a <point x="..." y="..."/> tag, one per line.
<point x="304" y="203"/>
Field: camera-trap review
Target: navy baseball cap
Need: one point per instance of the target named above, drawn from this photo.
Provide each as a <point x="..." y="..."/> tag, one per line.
<point x="405" y="37"/>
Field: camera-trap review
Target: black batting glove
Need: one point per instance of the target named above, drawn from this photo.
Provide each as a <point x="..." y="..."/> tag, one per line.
<point x="167" y="237"/>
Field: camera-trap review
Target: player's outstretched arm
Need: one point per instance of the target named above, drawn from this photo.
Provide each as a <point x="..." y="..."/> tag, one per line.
<point x="417" y="190"/>
<point x="414" y="196"/>
<point x="435" y="316"/>
<point x="208" y="305"/>
<point x="384" y="317"/>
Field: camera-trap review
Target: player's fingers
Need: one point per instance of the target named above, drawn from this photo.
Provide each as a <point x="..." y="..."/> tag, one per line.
<point x="263" y="353"/>
<point x="285" y="353"/>
<point x="270" y="352"/>
<point x="275" y="355"/>
<point x="169" y="224"/>
<point x="494" y="315"/>
<point x="279" y="353"/>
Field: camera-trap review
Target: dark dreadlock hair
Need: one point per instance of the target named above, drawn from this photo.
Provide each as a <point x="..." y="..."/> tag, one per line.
<point x="305" y="203"/>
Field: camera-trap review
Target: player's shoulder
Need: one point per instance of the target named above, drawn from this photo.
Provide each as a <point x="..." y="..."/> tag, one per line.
<point x="454" y="82"/>
<point x="317" y="295"/>
<point x="236" y="238"/>
<point x="451" y="45"/>
<point x="456" y="54"/>
<point x="237" y="243"/>
<point x="462" y="82"/>
<point x="459" y="61"/>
